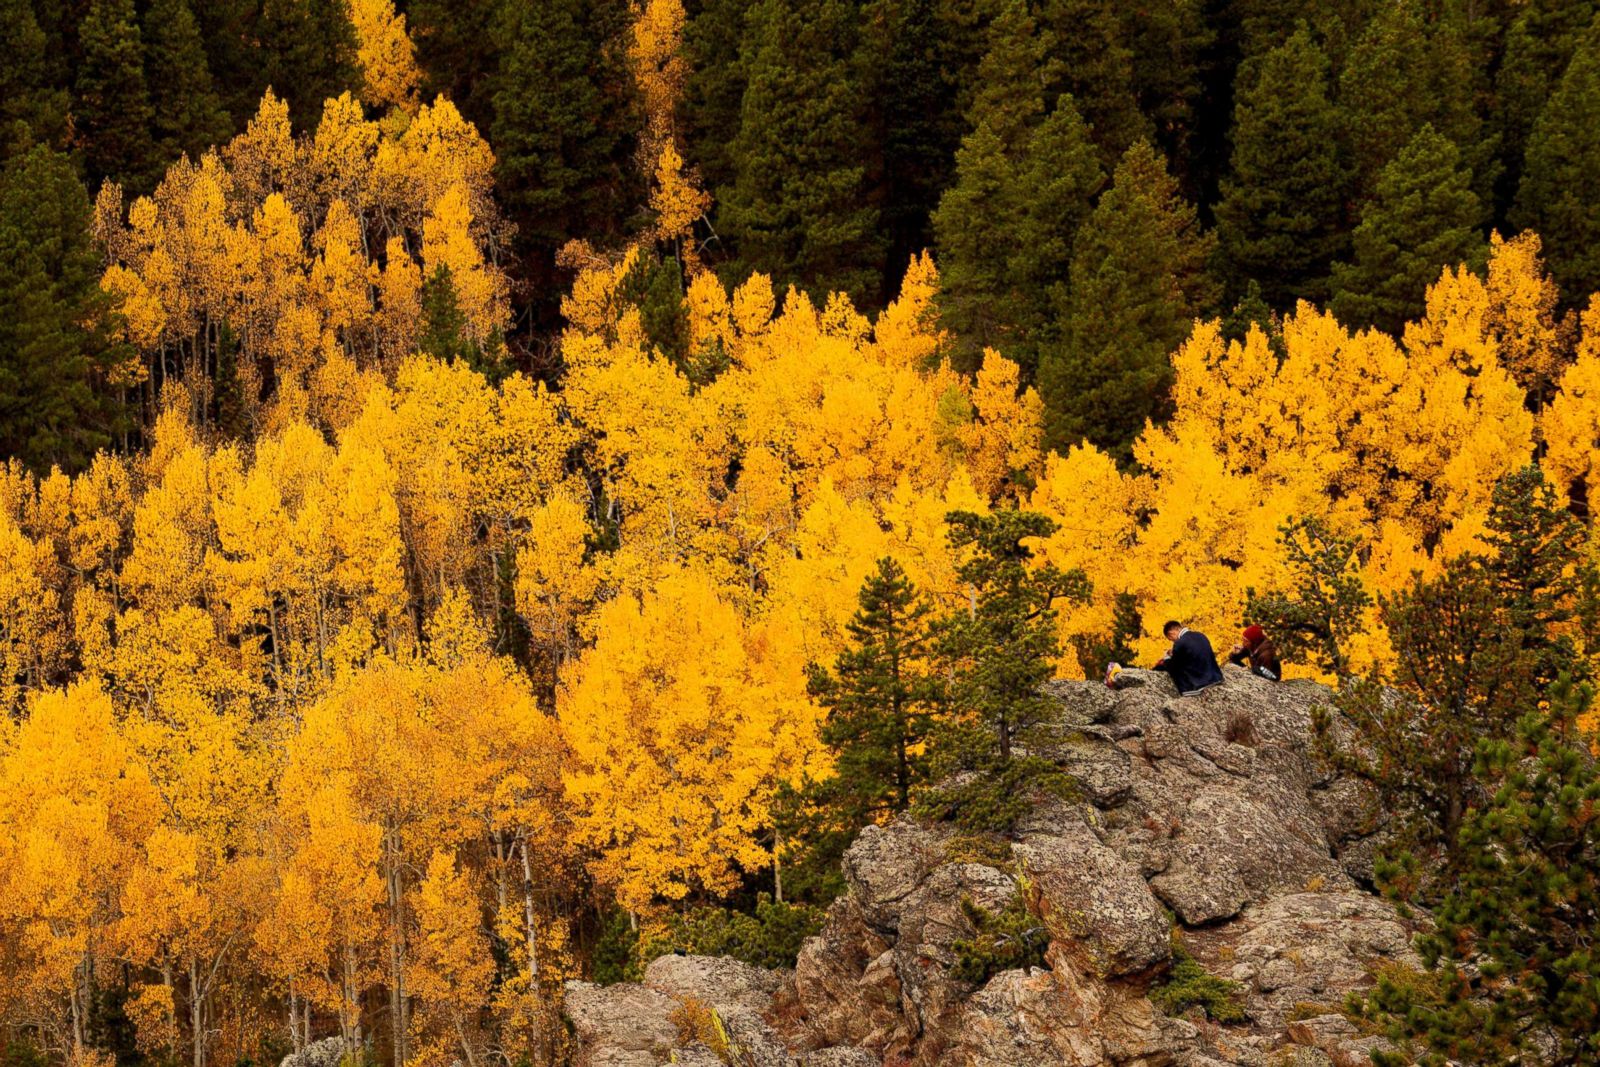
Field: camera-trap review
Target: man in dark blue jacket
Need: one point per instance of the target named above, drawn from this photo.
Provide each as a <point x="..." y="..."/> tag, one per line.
<point x="1191" y="662"/>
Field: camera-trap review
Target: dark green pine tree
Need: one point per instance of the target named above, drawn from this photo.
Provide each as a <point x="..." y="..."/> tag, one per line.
<point x="1324" y="605"/>
<point x="444" y="329"/>
<point x="1560" y="192"/>
<point x="1540" y="41"/>
<point x="797" y="209"/>
<point x="975" y="226"/>
<point x="713" y="95"/>
<point x="306" y="51"/>
<point x="28" y="93"/>
<point x="880" y="699"/>
<point x="655" y="287"/>
<point x="999" y="649"/>
<point x="1423" y="218"/>
<point x="910" y="56"/>
<point x="456" y="46"/>
<point x="1462" y="41"/>
<point x="54" y="342"/>
<point x="1138" y="281"/>
<point x="1025" y="181"/>
<point x="1256" y="27"/>
<point x="1536" y="560"/>
<point x="1405" y="70"/>
<point x="228" y="34"/>
<point x="444" y="326"/>
<point x="1096" y="67"/>
<point x="563" y="116"/>
<point x="1462" y="676"/>
<point x="1252" y="311"/>
<point x="1016" y="79"/>
<point x="1005" y="233"/>
<point x="1512" y="954"/>
<point x="1281" y="218"/>
<point x="112" y="115"/>
<point x="1172" y="47"/>
<point x="188" y="113"/>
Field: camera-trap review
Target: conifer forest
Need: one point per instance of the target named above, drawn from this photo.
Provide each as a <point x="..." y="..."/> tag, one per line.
<point x="493" y="492"/>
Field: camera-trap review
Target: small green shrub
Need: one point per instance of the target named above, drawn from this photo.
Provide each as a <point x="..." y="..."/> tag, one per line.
<point x="991" y="850"/>
<point x="1004" y="940"/>
<point x="616" y="952"/>
<point x="770" y="938"/>
<point x="1188" y="985"/>
<point x="20" y="1052"/>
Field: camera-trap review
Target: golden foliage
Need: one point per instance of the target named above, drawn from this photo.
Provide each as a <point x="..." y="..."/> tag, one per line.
<point x="263" y="721"/>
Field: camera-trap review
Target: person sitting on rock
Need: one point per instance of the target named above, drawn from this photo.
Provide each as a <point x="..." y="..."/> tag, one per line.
<point x="1256" y="652"/>
<point x="1191" y="661"/>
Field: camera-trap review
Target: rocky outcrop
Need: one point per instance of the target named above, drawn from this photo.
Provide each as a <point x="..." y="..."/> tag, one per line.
<point x="1206" y="818"/>
<point x="327" y="1052"/>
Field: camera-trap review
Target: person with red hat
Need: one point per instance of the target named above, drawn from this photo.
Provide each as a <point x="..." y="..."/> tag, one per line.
<point x="1256" y="651"/>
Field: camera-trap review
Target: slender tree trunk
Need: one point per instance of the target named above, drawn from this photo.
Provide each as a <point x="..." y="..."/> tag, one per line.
<point x="294" y="1021"/>
<point x="397" y="986"/>
<point x="78" y="980"/>
<point x="197" y="1015"/>
<point x="777" y="865"/>
<point x="529" y="929"/>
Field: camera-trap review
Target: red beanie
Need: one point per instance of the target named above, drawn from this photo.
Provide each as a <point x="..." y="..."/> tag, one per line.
<point x="1254" y="635"/>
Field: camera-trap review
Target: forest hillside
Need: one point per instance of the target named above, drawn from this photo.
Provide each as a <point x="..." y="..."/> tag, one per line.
<point x="497" y="492"/>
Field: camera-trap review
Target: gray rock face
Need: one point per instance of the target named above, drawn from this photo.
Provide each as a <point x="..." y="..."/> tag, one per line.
<point x="620" y="1025"/>
<point x="324" y="1053"/>
<point x="884" y="865"/>
<point x="1211" y="806"/>
<point x="725" y="984"/>
<point x="1096" y="904"/>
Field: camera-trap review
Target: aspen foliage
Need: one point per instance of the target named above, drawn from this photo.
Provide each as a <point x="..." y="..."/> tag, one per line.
<point x="655" y="58"/>
<point x="388" y="59"/>
<point x="372" y="676"/>
<point x="250" y="269"/>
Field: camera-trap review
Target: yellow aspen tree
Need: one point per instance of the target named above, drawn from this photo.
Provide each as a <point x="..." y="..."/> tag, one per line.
<point x="709" y="314"/>
<point x="262" y="158"/>
<point x="74" y="807"/>
<point x="336" y="164"/>
<point x="399" y="315"/>
<point x="814" y="576"/>
<point x="364" y="527"/>
<point x="1001" y="442"/>
<point x="678" y="203"/>
<point x="438" y="151"/>
<point x="907" y="333"/>
<point x="171" y="529"/>
<point x="655" y="56"/>
<point x="447" y="242"/>
<point x="339" y="280"/>
<point x="453" y="969"/>
<point x="429" y="754"/>
<point x="32" y="634"/>
<point x="1522" y="314"/>
<point x="321" y="932"/>
<point x="187" y="908"/>
<point x="1570" y="425"/>
<point x="102" y="517"/>
<point x="1094" y="506"/>
<point x="455" y="633"/>
<point x="388" y="59"/>
<point x="672" y="741"/>
<point x="554" y="585"/>
<point x="519" y="455"/>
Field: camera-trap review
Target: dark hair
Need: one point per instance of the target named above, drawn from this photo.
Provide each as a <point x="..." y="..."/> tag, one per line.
<point x="1170" y="624"/>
